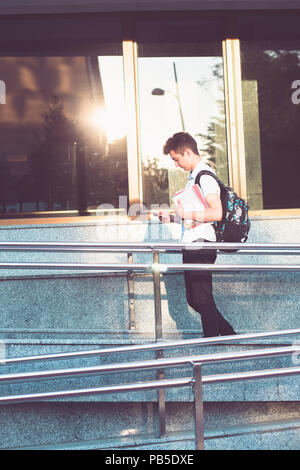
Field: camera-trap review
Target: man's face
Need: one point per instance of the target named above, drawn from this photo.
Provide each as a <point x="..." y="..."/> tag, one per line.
<point x="181" y="160"/>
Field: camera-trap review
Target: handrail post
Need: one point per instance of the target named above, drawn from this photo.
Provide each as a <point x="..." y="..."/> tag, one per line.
<point x="130" y="284"/>
<point x="158" y="337"/>
<point x="157" y="298"/>
<point x="198" y="407"/>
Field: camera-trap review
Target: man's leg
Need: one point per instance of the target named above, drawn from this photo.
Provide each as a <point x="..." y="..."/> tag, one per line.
<point x="199" y="293"/>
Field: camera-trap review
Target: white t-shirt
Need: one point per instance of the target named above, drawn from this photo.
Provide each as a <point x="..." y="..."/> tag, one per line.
<point x="202" y="230"/>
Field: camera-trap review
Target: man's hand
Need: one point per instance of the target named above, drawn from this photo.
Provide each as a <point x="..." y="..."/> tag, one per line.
<point x="166" y="217"/>
<point x="179" y="210"/>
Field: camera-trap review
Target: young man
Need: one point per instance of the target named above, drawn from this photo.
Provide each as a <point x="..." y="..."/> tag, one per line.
<point x="182" y="148"/>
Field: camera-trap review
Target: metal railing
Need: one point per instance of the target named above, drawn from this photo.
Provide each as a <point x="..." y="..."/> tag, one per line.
<point x="156" y="268"/>
<point x="196" y="380"/>
<point x="152" y="363"/>
<point x="160" y="345"/>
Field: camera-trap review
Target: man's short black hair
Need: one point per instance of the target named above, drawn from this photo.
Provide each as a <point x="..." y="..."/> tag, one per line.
<point x="179" y="142"/>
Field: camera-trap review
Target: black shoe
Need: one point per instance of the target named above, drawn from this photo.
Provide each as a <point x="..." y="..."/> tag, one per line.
<point x="228" y="333"/>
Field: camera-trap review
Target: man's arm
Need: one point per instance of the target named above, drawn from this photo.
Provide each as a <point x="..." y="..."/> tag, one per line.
<point x="212" y="213"/>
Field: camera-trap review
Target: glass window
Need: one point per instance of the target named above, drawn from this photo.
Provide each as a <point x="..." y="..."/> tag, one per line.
<point x="270" y="72"/>
<point x="180" y="88"/>
<point x="63" y="140"/>
<point x="270" y="55"/>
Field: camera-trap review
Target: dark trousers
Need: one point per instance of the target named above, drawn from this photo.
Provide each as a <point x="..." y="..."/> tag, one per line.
<point x="199" y="293"/>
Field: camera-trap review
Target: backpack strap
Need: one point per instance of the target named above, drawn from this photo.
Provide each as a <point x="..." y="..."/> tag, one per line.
<point x="223" y="188"/>
<point x="210" y="173"/>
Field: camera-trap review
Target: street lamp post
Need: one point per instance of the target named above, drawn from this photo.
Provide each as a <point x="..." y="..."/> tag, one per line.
<point x="161" y="92"/>
<point x="178" y="97"/>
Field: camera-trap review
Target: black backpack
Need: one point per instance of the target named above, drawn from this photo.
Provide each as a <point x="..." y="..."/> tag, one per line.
<point x="235" y="224"/>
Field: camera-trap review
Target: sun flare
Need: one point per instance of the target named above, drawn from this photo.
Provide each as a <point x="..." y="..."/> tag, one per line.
<point x="112" y="124"/>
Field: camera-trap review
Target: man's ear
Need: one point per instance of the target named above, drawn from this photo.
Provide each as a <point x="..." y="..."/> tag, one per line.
<point x="188" y="152"/>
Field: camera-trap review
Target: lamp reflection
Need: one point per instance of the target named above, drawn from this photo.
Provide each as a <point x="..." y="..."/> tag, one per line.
<point x="161" y="92"/>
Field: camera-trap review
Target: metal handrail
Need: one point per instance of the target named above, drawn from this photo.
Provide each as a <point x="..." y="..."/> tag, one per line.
<point x="148" y="385"/>
<point x="160" y="345"/>
<point x="160" y="267"/>
<point x="155" y="248"/>
<point x="160" y="385"/>
<point x="162" y="363"/>
<point x="197" y="381"/>
<point x="148" y="246"/>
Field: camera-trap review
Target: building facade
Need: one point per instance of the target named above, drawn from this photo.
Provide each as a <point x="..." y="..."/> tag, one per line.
<point x="89" y="93"/>
<point x="89" y="96"/>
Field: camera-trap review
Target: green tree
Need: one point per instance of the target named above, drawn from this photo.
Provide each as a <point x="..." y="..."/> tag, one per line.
<point x="49" y="156"/>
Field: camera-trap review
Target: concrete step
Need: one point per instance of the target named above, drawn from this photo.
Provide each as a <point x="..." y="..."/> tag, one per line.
<point x="49" y="423"/>
<point x="279" y="435"/>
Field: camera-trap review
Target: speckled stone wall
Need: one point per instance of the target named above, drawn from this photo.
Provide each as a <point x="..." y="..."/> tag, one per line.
<point x="83" y="301"/>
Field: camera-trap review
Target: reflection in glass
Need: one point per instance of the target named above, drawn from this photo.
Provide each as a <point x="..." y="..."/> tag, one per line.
<point x="179" y="94"/>
<point x="62" y="146"/>
<point x="271" y="121"/>
<point x="107" y="176"/>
